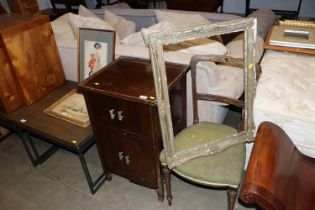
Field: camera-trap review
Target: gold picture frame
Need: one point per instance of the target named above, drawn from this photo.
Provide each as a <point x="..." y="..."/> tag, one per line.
<point x="71" y="108"/>
<point x="156" y="42"/>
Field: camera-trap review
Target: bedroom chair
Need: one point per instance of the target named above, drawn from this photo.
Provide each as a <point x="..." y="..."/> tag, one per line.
<point x="195" y="5"/>
<point x="278" y="176"/>
<point x="223" y="169"/>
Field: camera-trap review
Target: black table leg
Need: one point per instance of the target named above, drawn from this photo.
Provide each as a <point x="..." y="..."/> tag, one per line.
<point x="94" y="186"/>
<point x="4" y="136"/>
<point x="37" y="159"/>
<point x="31" y="150"/>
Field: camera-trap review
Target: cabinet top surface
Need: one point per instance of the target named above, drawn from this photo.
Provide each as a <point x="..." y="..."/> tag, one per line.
<point x="131" y="78"/>
<point x="9" y="21"/>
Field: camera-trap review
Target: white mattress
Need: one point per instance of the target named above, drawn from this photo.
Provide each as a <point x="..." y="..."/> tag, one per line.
<point x="286" y="96"/>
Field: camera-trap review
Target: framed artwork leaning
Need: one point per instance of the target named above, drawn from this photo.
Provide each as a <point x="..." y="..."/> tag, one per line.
<point x="71" y="108"/>
<point x="96" y="49"/>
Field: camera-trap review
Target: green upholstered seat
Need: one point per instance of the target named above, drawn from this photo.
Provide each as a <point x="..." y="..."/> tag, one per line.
<point x="221" y="169"/>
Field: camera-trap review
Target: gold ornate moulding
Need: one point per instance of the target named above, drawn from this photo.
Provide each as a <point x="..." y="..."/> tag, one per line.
<point x="156" y="42"/>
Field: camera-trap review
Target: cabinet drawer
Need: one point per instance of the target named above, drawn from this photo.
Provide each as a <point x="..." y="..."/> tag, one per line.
<point x="119" y="113"/>
<point x="128" y="155"/>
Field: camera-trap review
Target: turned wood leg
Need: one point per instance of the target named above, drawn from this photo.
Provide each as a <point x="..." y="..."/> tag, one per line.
<point x="232" y="194"/>
<point x="160" y="190"/>
<point x="160" y="194"/>
<point x="167" y="175"/>
<point x="108" y="176"/>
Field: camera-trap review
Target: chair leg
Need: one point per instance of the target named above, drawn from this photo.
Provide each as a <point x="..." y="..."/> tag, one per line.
<point x="232" y="194"/>
<point x="167" y="175"/>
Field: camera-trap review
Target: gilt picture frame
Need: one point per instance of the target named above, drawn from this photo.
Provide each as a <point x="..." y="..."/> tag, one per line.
<point x="71" y="108"/>
<point x="96" y="49"/>
<point x="156" y="43"/>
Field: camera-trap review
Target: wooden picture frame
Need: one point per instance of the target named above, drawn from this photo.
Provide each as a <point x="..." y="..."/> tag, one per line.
<point x="96" y="49"/>
<point x="71" y="108"/>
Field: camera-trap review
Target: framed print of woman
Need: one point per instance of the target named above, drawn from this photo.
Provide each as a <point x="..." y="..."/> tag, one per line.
<point x="97" y="59"/>
<point x="96" y="49"/>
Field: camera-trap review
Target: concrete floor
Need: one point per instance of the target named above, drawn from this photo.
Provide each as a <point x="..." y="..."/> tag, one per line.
<point x="59" y="184"/>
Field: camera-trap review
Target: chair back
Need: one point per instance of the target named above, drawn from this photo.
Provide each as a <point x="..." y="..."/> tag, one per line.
<point x="278" y="176"/>
<point x="221" y="60"/>
<point x="195" y="5"/>
<point x="211" y="97"/>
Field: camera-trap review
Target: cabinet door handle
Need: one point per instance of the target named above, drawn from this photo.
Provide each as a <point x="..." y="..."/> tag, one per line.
<point x="112" y="113"/>
<point x="121" y="155"/>
<point x="120" y="116"/>
<point x="127" y="159"/>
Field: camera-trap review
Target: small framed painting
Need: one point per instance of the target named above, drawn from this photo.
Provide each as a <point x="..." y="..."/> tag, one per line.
<point x="96" y="49"/>
<point x="71" y="108"/>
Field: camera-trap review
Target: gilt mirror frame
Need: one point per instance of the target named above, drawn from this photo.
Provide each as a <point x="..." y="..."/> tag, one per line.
<point x="156" y="42"/>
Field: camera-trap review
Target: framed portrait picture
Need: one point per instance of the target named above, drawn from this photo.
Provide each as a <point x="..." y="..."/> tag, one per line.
<point x="96" y="49"/>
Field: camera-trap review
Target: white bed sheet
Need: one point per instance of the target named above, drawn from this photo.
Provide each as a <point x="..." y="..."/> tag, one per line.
<point x="286" y="96"/>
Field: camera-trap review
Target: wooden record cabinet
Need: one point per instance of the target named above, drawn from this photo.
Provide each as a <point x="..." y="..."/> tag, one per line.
<point x="124" y="116"/>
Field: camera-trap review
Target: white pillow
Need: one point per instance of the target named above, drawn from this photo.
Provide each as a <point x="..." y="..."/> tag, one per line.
<point x="123" y="27"/>
<point x="141" y="37"/>
<point x="85" y="12"/>
<point x="178" y="19"/>
<point x="133" y="39"/>
<point x="163" y="25"/>
<point x="77" y="22"/>
<point x="62" y="28"/>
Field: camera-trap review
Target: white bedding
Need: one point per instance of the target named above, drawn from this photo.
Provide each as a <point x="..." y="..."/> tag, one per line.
<point x="286" y="96"/>
<point x="211" y="78"/>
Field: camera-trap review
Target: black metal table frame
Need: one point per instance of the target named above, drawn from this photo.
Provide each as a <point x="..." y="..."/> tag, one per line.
<point x="26" y="137"/>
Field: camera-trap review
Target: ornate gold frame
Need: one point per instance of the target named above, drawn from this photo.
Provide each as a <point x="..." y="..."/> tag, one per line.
<point x="156" y="42"/>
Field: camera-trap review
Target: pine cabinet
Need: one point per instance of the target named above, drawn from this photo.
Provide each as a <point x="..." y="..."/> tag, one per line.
<point x="29" y="60"/>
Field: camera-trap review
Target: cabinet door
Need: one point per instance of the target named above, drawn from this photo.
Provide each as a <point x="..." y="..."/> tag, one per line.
<point x="128" y="155"/>
<point x="102" y="109"/>
<point x="125" y="115"/>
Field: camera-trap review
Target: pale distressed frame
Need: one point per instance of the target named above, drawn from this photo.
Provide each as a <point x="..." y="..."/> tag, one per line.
<point x="156" y="42"/>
